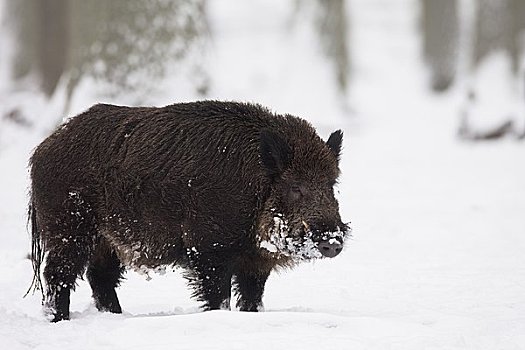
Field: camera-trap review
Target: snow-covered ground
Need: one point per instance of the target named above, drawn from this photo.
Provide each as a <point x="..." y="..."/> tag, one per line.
<point x="437" y="260"/>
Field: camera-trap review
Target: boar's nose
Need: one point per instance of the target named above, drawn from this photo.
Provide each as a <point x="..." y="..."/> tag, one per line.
<point x="330" y="249"/>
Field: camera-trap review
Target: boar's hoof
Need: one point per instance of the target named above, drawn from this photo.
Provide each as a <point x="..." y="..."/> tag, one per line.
<point x="330" y="249"/>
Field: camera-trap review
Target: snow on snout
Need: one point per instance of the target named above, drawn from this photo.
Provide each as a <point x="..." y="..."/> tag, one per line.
<point x="335" y="237"/>
<point x="298" y="244"/>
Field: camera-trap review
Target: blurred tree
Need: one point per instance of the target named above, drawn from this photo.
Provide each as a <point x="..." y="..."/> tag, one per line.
<point x="42" y="36"/>
<point x="498" y="27"/>
<point x="133" y="41"/>
<point x="127" y="45"/>
<point x="332" y="24"/>
<point x="440" y="41"/>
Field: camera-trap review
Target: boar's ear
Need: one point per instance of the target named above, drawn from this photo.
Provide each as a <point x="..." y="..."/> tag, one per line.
<point x="334" y="143"/>
<point x="274" y="151"/>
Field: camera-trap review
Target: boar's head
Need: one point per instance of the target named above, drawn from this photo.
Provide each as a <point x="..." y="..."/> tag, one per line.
<point x="301" y="218"/>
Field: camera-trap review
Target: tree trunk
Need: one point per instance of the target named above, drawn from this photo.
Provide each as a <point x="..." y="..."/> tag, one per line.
<point x="332" y="23"/>
<point x="440" y="40"/>
<point x="498" y="27"/>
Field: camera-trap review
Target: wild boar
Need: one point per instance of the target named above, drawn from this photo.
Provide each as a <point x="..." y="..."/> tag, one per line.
<point x="228" y="191"/>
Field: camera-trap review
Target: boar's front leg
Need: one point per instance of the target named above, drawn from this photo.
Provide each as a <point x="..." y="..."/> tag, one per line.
<point x="104" y="273"/>
<point x="249" y="287"/>
<point x="211" y="280"/>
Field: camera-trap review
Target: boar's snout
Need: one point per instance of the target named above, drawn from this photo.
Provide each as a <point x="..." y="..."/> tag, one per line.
<point x="329" y="239"/>
<point x="330" y="248"/>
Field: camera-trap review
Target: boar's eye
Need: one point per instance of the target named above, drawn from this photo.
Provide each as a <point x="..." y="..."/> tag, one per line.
<point x="296" y="192"/>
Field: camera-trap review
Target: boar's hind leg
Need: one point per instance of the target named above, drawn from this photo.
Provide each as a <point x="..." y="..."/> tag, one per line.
<point x="211" y="281"/>
<point x="67" y="237"/>
<point x="63" y="266"/>
<point x="249" y="287"/>
<point x="104" y="274"/>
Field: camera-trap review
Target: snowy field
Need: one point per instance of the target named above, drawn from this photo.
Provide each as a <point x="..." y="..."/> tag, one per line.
<point x="437" y="259"/>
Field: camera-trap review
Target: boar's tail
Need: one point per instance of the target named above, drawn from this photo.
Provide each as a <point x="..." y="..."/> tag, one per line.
<point x="37" y="253"/>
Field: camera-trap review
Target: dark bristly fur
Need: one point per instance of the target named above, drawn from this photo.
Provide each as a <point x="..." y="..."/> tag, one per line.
<point x="198" y="185"/>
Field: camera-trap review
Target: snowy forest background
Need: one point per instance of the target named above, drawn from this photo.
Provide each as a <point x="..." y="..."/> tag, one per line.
<point x="430" y="95"/>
